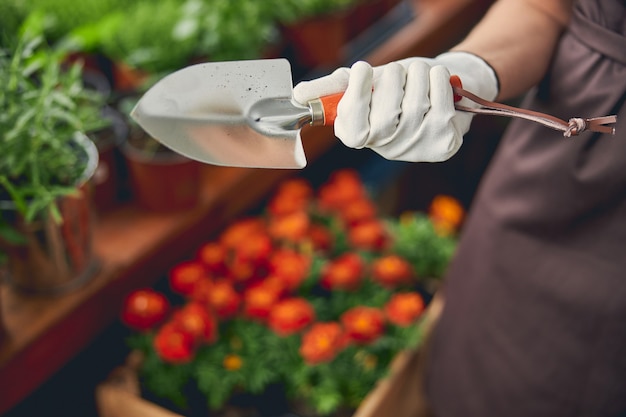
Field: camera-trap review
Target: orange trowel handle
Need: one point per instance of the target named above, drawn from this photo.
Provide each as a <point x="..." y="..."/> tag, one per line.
<point x="329" y="103"/>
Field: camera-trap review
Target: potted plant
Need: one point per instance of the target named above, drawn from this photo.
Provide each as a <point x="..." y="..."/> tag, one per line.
<point x="317" y="30"/>
<point x="161" y="180"/>
<point x="47" y="162"/>
<point x="316" y="295"/>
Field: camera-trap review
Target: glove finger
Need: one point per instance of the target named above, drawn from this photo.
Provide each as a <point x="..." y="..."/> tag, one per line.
<point x="441" y="94"/>
<point x="353" y="111"/>
<point x="335" y="82"/>
<point x="386" y="105"/>
<point x="444" y="135"/>
<point x="415" y="105"/>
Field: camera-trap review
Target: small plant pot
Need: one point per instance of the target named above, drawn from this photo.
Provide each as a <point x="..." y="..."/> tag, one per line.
<point x="52" y="257"/>
<point x="318" y="41"/>
<point x="161" y="180"/>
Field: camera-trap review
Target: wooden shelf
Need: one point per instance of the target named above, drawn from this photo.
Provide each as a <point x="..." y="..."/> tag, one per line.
<point x="135" y="247"/>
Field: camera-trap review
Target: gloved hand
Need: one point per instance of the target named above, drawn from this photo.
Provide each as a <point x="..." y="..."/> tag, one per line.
<point x="404" y="110"/>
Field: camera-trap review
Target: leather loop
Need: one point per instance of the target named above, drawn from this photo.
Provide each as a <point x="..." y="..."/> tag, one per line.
<point x="573" y="127"/>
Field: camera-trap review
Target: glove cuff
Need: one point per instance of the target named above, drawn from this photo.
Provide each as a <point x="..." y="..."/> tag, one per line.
<point x="476" y="74"/>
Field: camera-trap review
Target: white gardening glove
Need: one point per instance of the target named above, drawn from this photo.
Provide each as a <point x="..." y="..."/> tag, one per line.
<point x="404" y="110"/>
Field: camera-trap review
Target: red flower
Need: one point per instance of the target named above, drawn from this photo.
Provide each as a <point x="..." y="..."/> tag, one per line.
<point x="292" y="195"/>
<point x="256" y="249"/>
<point x="391" y="271"/>
<point x="196" y="320"/>
<point x="403" y="309"/>
<point x="344" y="273"/>
<point x="184" y="277"/>
<point x="213" y="256"/>
<point x="224" y="299"/>
<point x="245" y="271"/>
<point x="344" y="186"/>
<point x="292" y="227"/>
<point x="240" y="231"/>
<point x="290" y="267"/>
<point x="201" y="291"/>
<point x="322" y="342"/>
<point x="144" y="309"/>
<point x="357" y="211"/>
<point x="363" y="324"/>
<point x="290" y="316"/>
<point x="259" y="300"/>
<point x="370" y="235"/>
<point x="174" y="345"/>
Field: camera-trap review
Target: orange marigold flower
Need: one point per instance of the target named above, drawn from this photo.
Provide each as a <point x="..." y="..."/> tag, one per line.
<point x="174" y="345"/>
<point x="292" y="195"/>
<point x="275" y="282"/>
<point x="344" y="186"/>
<point x="232" y="362"/>
<point x="244" y="271"/>
<point x="201" y="290"/>
<point x="290" y="267"/>
<point x="290" y="316"/>
<point x="240" y="231"/>
<point x="370" y="235"/>
<point x="224" y="299"/>
<point x="403" y="309"/>
<point x="391" y="271"/>
<point x="184" y="276"/>
<point x="446" y="213"/>
<point x="259" y="300"/>
<point x="357" y="211"/>
<point x="363" y="324"/>
<point x="255" y="248"/>
<point x="343" y="273"/>
<point x="213" y="256"/>
<point x="291" y="227"/>
<point x="322" y="342"/>
<point x="197" y="321"/>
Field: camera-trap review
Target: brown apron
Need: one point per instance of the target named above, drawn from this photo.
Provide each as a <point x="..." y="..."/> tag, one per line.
<point x="535" y="316"/>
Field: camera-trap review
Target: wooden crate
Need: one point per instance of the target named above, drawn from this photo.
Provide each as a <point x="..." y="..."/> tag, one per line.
<point x="398" y="395"/>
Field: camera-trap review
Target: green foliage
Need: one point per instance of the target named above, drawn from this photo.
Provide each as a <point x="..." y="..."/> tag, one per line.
<point x="292" y="10"/>
<point x="66" y="15"/>
<point x="236" y="29"/>
<point x="159" y="36"/>
<point x="154" y="37"/>
<point x="12" y="14"/>
<point x="43" y="107"/>
<point x="417" y="241"/>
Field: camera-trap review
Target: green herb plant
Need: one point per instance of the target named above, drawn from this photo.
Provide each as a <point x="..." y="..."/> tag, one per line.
<point x="43" y="107"/>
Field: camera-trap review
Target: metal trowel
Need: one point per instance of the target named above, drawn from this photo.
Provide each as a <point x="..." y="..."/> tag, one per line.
<point x="241" y="113"/>
<point x="237" y="113"/>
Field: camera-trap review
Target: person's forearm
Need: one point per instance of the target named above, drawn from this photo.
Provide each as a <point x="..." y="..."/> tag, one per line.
<point x="517" y="38"/>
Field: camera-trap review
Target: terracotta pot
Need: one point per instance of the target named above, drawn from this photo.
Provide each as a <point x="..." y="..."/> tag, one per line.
<point x="126" y="78"/>
<point x="54" y="257"/>
<point x="161" y="181"/>
<point x="365" y="13"/>
<point x="318" y="41"/>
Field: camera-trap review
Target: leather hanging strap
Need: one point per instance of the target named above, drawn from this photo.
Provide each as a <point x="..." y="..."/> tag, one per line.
<point x="573" y="127"/>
